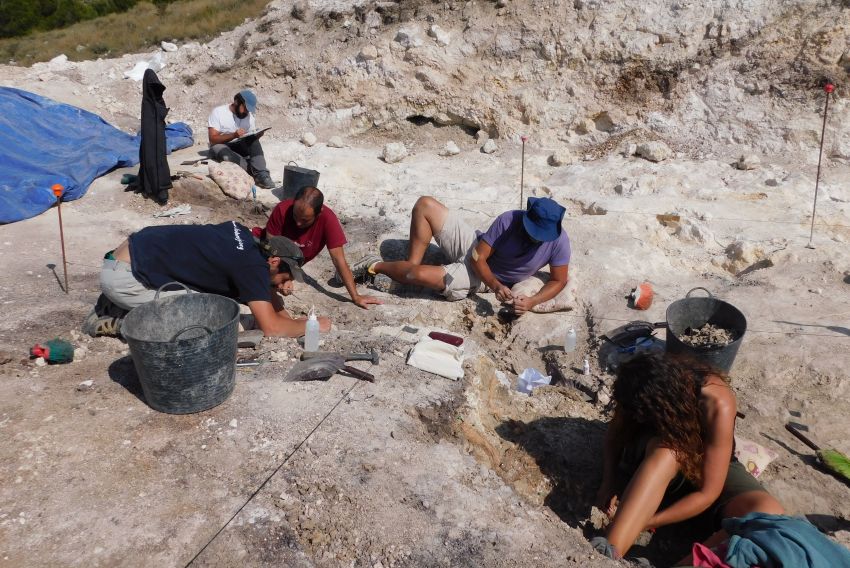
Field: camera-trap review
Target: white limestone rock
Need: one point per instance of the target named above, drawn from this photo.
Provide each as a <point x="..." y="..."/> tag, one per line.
<point x="655" y="151"/>
<point x="489" y="147"/>
<point x="442" y="37"/>
<point x="408" y="38"/>
<point x="394" y="152"/>
<point x="561" y="157"/>
<point x="308" y="139"/>
<point x="451" y="149"/>
<point x="335" y="142"/>
<point x="443" y="119"/>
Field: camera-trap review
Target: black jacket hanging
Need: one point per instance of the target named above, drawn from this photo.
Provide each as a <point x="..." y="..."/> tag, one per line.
<point x="154" y="175"/>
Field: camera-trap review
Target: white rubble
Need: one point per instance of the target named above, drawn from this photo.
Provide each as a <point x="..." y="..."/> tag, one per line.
<point x="655" y="151"/>
<point x="450" y="149"/>
<point x="489" y="146"/>
<point x="442" y="37"/>
<point x="394" y="152"/>
<point x="561" y="157"/>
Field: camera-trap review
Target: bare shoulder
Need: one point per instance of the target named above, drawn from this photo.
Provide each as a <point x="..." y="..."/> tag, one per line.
<point x="717" y="397"/>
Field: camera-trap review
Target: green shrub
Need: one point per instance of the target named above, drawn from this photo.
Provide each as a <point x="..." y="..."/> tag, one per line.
<point x="142" y="26"/>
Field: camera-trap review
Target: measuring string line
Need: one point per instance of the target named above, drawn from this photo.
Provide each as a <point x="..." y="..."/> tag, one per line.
<point x="268" y="478"/>
<point x="618" y="211"/>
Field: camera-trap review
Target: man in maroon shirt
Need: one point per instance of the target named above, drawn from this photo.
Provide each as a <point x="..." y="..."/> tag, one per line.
<point x="314" y="226"/>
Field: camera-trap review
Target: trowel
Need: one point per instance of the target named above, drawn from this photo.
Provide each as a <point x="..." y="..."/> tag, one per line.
<point x="323" y="367"/>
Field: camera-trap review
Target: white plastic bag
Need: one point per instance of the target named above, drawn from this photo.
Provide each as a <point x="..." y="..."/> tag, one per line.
<point x="530" y="379"/>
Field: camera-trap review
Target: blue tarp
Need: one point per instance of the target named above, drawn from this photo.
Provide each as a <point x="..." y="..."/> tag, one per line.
<point x="43" y="142"/>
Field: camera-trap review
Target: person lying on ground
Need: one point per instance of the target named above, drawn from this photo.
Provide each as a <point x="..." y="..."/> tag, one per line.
<point x="220" y="259"/>
<point x="312" y="225"/>
<point x="226" y="124"/>
<point x="517" y="245"/>
<point x="672" y="440"/>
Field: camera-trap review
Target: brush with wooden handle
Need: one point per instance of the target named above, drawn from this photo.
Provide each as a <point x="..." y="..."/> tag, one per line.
<point x="833" y="460"/>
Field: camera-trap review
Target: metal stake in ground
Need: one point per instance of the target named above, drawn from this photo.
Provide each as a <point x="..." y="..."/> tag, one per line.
<point x="829" y="87"/>
<point x="522" y="174"/>
<point x="57" y="191"/>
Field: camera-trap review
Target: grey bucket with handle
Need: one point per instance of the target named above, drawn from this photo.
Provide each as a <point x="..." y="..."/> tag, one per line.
<point x="184" y="350"/>
<point x="294" y="178"/>
<point x="696" y="312"/>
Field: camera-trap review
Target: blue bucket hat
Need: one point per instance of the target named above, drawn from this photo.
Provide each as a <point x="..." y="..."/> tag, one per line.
<point x="250" y="100"/>
<point x="542" y="218"/>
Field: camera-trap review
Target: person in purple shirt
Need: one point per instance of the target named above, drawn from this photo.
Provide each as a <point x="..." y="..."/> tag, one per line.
<point x="517" y="245"/>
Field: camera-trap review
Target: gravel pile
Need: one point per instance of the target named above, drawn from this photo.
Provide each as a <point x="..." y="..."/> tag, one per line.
<point x="707" y="336"/>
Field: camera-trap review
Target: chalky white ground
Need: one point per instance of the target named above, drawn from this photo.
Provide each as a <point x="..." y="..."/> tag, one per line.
<point x="415" y="469"/>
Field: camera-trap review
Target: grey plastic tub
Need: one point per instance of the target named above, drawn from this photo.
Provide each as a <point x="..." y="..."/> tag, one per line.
<point x="294" y="178"/>
<point x="184" y="350"/>
<point x="696" y="312"/>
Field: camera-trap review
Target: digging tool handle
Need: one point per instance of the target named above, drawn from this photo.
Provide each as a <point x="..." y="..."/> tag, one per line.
<point x="372" y="356"/>
<point x="363" y="375"/>
<point x="802" y="437"/>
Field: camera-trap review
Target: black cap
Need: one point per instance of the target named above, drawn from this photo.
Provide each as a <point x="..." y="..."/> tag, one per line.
<point x="287" y="251"/>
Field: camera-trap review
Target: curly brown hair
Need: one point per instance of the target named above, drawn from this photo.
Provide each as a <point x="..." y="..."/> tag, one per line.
<point x="658" y="393"/>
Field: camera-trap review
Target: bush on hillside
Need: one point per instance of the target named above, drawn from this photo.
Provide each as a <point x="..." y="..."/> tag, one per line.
<point x="20" y="17"/>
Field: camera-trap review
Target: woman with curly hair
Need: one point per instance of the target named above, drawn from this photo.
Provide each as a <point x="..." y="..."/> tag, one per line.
<point x="673" y="435"/>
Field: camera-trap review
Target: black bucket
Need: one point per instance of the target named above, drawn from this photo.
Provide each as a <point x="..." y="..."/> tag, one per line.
<point x="184" y="350"/>
<point x="695" y="313"/>
<point x="294" y="178"/>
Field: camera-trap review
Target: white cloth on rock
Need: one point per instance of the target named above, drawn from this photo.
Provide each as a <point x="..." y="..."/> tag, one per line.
<point x="437" y="357"/>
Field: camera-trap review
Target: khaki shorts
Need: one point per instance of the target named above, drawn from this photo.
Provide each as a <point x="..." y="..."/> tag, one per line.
<point x="119" y="285"/>
<point x="457" y="240"/>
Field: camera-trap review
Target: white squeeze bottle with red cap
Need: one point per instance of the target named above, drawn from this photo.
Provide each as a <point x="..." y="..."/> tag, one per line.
<point x="311" y="334"/>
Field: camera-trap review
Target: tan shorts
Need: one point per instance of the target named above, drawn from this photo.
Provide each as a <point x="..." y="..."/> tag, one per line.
<point x="119" y="285"/>
<point x="457" y="240"/>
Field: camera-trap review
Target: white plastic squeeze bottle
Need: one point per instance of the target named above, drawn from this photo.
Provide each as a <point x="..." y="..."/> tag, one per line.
<point x="311" y="334"/>
<point x="570" y="341"/>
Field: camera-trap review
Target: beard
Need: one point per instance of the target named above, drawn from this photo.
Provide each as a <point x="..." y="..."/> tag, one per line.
<point x="242" y="114"/>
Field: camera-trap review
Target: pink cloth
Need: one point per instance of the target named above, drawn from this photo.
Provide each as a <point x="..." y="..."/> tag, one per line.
<point x="706" y="558"/>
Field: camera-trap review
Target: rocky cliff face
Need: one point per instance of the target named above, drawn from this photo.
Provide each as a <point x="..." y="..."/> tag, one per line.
<point x="718" y="74"/>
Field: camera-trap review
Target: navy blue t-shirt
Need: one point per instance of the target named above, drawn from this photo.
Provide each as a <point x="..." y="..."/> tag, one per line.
<point x="219" y="259"/>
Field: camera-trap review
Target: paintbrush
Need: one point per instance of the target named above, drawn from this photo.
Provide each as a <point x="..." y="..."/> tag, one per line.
<point x="833" y="460"/>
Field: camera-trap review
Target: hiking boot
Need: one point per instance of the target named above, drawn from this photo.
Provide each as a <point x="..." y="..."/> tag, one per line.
<point x="360" y="269"/>
<point x="97" y="326"/>
<point x="105" y="318"/>
<point x="382" y="283"/>
<point x="264" y="180"/>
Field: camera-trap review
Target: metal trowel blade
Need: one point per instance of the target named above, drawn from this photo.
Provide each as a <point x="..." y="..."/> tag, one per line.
<point x="317" y="369"/>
